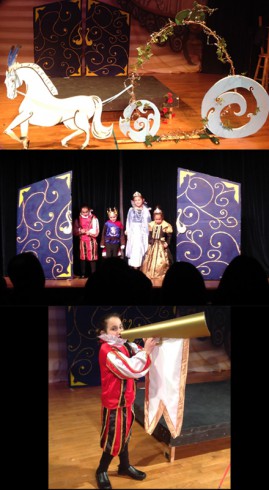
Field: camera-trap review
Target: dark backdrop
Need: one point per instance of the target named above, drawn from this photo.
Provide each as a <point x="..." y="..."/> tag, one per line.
<point x="97" y="176"/>
<point x="238" y="23"/>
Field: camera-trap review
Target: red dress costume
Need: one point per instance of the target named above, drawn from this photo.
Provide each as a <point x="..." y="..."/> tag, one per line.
<point x="119" y="368"/>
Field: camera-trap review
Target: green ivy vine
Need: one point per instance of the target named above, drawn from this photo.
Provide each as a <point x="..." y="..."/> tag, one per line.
<point x="196" y="15"/>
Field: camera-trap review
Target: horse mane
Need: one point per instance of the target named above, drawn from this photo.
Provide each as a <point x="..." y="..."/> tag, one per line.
<point x="53" y="90"/>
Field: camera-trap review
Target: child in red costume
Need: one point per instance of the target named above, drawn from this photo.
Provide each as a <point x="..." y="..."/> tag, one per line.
<point x="121" y="362"/>
<point x="87" y="228"/>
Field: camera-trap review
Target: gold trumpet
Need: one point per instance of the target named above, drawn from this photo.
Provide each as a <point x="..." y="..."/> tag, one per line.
<point x="184" y="327"/>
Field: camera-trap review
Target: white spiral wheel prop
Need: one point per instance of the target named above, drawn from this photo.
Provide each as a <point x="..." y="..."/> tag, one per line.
<point x="219" y="97"/>
<point x="143" y="126"/>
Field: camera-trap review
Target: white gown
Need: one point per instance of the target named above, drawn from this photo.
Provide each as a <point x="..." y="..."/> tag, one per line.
<point x="137" y="231"/>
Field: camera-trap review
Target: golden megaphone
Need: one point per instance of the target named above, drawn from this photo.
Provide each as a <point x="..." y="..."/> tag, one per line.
<point x="184" y="327"/>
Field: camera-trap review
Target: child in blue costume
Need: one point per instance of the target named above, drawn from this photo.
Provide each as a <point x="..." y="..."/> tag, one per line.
<point x="113" y="239"/>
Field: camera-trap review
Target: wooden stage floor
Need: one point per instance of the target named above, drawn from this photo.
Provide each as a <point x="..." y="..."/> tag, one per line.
<point x="189" y="87"/>
<point x="74" y="449"/>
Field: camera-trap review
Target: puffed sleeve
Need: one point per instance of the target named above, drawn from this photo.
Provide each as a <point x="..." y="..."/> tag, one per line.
<point x="94" y="231"/>
<point x="126" y="367"/>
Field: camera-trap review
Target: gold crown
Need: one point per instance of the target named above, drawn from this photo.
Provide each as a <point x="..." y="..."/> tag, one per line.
<point x="137" y="194"/>
<point x="112" y="210"/>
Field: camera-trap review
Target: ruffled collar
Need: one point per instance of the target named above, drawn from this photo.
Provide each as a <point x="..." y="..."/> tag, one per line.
<point x="112" y="339"/>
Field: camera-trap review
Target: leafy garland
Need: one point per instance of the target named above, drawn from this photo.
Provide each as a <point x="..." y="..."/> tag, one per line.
<point x="195" y="15"/>
<point x="177" y="136"/>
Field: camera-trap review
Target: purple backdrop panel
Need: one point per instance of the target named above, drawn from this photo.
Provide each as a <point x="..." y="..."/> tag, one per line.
<point x="58" y="39"/>
<point x="44" y="224"/>
<point x="208" y="222"/>
<point x="82" y="344"/>
<point x="107" y="40"/>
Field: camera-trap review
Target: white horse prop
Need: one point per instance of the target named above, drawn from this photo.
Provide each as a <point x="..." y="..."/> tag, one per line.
<point x="41" y="108"/>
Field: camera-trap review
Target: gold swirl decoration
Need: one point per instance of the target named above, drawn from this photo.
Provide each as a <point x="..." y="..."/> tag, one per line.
<point x="44" y="224"/>
<point x="208" y="222"/>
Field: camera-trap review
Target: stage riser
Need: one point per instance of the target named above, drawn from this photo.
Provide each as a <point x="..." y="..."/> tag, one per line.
<point x="206" y="414"/>
<point x="148" y="88"/>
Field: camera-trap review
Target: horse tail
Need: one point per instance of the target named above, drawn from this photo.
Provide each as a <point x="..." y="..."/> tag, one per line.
<point x="98" y="130"/>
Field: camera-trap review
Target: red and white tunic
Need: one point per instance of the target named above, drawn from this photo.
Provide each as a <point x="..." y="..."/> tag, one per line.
<point x="88" y="242"/>
<point x="118" y="371"/>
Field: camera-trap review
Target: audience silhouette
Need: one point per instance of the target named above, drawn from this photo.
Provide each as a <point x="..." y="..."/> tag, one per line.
<point x="115" y="281"/>
<point x="28" y="279"/>
<point x="244" y="282"/>
<point x="183" y="284"/>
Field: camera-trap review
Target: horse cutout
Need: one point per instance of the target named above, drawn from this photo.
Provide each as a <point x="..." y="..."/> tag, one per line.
<point x="41" y="108"/>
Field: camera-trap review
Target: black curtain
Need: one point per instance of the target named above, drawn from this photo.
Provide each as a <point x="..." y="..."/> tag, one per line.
<point x="97" y="176"/>
<point x="155" y="176"/>
<point x="238" y="23"/>
<point x="95" y="182"/>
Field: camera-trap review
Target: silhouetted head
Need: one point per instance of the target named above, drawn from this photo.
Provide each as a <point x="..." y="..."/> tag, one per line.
<point x="183" y="284"/>
<point x="26" y="272"/>
<point x="116" y="282"/>
<point x="244" y="281"/>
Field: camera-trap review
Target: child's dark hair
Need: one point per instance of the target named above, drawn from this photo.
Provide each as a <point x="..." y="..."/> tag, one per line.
<point x="103" y="322"/>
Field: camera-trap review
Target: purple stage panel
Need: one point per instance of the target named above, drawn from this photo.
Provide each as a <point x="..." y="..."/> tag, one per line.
<point x="44" y="224"/>
<point x="74" y="38"/>
<point x="107" y="40"/>
<point x="208" y="222"/>
<point x="58" y="38"/>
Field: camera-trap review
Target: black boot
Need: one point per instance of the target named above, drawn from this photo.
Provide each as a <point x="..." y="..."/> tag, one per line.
<point x="82" y="269"/>
<point x="93" y="266"/>
<point x="103" y="480"/>
<point x="132" y="472"/>
<point x="101" y="472"/>
<point x="128" y="470"/>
